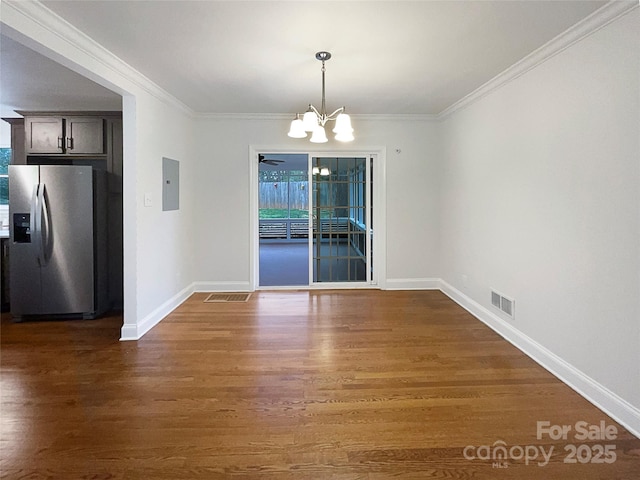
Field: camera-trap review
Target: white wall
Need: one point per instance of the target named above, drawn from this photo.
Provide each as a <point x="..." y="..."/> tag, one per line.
<point x="5" y="134"/>
<point x="164" y="238"/>
<point x="223" y="181"/>
<point x="541" y="201"/>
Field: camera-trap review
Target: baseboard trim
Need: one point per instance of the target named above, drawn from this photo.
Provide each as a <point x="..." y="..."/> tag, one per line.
<point x="129" y="332"/>
<point x="600" y="396"/>
<point x="135" y="332"/>
<point x="222" y="287"/>
<point x="412" y="284"/>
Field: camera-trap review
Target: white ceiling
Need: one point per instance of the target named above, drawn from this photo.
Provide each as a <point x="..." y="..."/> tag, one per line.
<point x="400" y="57"/>
<point x="30" y="81"/>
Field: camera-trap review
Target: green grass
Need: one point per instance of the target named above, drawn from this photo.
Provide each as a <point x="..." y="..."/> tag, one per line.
<point x="283" y="213"/>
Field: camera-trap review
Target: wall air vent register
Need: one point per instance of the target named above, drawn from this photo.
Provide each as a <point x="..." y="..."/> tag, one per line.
<point x="502" y="303"/>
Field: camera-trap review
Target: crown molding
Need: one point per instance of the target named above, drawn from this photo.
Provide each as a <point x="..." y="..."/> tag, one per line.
<point x="414" y="117"/>
<point x="16" y="12"/>
<point x="589" y="25"/>
<point x="291" y="116"/>
<point x="243" y="116"/>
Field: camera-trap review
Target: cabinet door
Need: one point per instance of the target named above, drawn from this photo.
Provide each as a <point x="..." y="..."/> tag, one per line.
<point x="44" y="135"/>
<point x="84" y="135"/>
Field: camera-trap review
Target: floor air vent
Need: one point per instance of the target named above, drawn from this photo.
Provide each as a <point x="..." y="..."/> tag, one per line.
<point x="227" y="297"/>
<point x="505" y="304"/>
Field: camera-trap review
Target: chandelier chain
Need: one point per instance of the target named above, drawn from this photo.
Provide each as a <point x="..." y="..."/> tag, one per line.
<point x="323" y="111"/>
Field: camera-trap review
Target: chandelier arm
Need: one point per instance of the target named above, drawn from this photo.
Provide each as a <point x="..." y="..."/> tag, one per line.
<point x="335" y="114"/>
<point x="315" y="110"/>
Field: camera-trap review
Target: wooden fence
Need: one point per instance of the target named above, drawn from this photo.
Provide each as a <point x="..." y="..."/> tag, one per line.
<point x="275" y="195"/>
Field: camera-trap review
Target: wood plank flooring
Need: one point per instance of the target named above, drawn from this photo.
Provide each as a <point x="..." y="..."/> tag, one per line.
<point x="291" y="385"/>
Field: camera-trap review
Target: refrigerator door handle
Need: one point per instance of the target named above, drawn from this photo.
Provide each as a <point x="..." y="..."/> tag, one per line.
<point x="36" y="219"/>
<point x="45" y="230"/>
<point x="34" y="224"/>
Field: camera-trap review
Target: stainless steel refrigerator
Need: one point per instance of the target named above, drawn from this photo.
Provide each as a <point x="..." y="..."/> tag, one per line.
<point x="58" y="241"/>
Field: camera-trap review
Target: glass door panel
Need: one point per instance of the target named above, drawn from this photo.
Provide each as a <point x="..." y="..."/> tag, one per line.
<point x="283" y="220"/>
<point x="340" y="206"/>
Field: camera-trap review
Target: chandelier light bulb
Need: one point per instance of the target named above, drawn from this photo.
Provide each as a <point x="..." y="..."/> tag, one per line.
<point x="310" y="121"/>
<point x="343" y="124"/>
<point x="319" y="135"/>
<point x="297" y="128"/>
<point x="345" y="137"/>
<point x="325" y="172"/>
<point x="315" y="171"/>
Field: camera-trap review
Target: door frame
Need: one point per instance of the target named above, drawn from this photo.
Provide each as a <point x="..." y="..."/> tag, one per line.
<point x="379" y="210"/>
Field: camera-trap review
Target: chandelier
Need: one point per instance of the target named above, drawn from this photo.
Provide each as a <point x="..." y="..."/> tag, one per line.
<point x="313" y="121"/>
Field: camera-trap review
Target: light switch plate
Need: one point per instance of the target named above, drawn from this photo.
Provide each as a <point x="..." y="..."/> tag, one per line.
<point x="147" y="200"/>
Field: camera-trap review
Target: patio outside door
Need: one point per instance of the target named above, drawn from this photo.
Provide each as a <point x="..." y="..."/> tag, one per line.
<point x="341" y="229"/>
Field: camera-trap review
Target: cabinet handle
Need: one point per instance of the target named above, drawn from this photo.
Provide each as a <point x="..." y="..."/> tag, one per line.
<point x="69" y="143"/>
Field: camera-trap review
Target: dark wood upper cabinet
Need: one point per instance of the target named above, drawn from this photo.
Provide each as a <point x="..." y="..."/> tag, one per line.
<point x="44" y="135"/>
<point x="82" y="135"/>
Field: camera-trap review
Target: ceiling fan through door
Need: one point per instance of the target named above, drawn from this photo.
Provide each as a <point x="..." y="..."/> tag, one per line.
<point x="269" y="161"/>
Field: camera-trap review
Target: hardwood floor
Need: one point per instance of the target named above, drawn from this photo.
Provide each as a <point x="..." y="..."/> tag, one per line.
<point x="290" y="385"/>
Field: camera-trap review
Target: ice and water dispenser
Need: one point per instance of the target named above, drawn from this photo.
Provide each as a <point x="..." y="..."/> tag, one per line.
<point x="22" y="228"/>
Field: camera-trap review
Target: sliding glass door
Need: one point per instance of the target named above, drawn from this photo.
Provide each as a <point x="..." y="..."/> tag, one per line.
<point x="341" y="229"/>
<point x="283" y="220"/>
